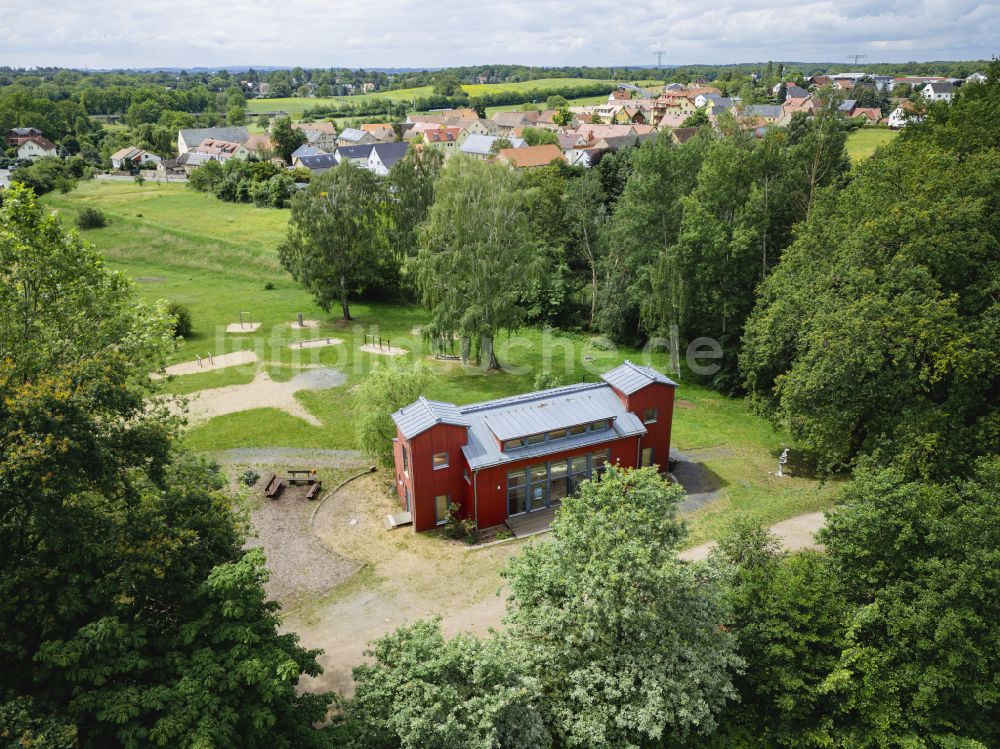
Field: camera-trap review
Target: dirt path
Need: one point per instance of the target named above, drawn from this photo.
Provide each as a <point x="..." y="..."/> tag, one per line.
<point x="207" y="364"/>
<point x="795" y="533"/>
<point x="406" y="576"/>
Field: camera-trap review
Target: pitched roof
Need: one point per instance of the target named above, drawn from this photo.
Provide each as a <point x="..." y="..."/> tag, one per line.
<point x="442" y="135"/>
<point x="684" y="134"/>
<point x="230" y="134"/>
<point x="127" y="152"/>
<point x="258" y="141"/>
<point x="481" y="144"/>
<point x="319" y="161"/>
<point x="316" y="127"/>
<point x="24" y="131"/>
<point x="847" y="105"/>
<point x="795" y="92"/>
<point x="872" y="113"/>
<point x="390" y="153"/>
<point x="942" y="87"/>
<point x="422" y="414"/>
<point x="540" y="412"/>
<point x="216" y="146"/>
<point x="306" y="150"/>
<point x="38" y="140"/>
<point x="531" y="156"/>
<point x="351" y="133"/>
<point x="355" y="152"/>
<point x="767" y="111"/>
<point x="629" y="378"/>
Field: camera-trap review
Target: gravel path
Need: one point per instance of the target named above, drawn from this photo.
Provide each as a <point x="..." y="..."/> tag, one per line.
<point x="281" y="455"/>
<point x="796" y="534"/>
<point x="216" y="362"/>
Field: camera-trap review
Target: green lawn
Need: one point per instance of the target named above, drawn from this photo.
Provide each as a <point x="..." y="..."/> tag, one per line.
<point x="215" y="257"/>
<point x="862" y="142"/>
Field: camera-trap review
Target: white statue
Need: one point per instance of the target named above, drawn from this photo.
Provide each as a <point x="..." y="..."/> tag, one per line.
<point x="782" y="460"/>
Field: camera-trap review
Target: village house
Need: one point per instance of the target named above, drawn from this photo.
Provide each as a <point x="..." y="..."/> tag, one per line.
<point x="479" y="146"/>
<point x="977" y="77"/>
<point x="502" y="460"/>
<point x="34" y="147"/>
<point x="222" y="150"/>
<point x="322" y="135"/>
<point x="190" y="138"/>
<point x="871" y="114"/>
<point x="382" y="132"/>
<point x="508" y="122"/>
<point x="16" y="134"/>
<point x="132" y="157"/>
<point x="305" y="150"/>
<point x="763" y="114"/>
<point x="799" y="104"/>
<point x="902" y="115"/>
<point x="530" y="157"/>
<point x="319" y="162"/>
<point x="383" y="155"/>
<point x="356" y="155"/>
<point x="352" y="136"/>
<point x="474" y="125"/>
<point x="447" y="139"/>
<point x="941" y="91"/>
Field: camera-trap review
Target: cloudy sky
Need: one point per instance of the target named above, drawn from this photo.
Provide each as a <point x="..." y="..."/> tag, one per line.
<point x="414" y="33"/>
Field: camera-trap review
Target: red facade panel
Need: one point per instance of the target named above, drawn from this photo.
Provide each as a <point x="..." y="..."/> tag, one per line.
<point x="424" y="481"/>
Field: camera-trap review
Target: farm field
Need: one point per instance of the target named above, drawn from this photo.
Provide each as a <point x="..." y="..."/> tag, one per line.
<point x="862" y="143"/>
<point x="216" y="257"/>
<point x="295" y="106"/>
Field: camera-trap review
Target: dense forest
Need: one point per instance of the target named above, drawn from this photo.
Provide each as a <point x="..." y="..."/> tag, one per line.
<point x="859" y="307"/>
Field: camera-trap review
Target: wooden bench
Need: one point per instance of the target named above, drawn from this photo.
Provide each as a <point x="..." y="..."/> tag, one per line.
<point x="314" y="490"/>
<point x="274" y="487"/>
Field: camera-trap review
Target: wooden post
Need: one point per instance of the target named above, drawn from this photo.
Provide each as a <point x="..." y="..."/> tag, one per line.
<point x="301" y="325"/>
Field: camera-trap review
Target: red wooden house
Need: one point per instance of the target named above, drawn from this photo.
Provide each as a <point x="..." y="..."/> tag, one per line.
<point x="517" y="455"/>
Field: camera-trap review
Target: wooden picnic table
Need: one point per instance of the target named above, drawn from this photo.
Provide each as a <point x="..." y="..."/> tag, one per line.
<point x="301" y="475"/>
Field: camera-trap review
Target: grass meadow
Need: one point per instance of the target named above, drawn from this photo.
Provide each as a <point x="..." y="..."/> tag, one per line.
<point x="862" y="143"/>
<point x="216" y="257"/>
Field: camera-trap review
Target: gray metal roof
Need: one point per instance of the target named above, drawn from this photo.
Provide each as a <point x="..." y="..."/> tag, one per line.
<point x="351" y="133"/>
<point x="763" y="110"/>
<point x="422" y="414"/>
<point x="546" y="411"/>
<point x="629" y="378"/>
<point x="306" y="150"/>
<point x="533" y="413"/>
<point x="847" y="105"/>
<point x="480" y="144"/>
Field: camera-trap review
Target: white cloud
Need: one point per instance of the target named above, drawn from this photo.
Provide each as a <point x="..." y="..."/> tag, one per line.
<point x="411" y="33"/>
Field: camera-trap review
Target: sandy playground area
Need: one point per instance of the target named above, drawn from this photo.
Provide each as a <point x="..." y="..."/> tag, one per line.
<point x="263" y="392"/>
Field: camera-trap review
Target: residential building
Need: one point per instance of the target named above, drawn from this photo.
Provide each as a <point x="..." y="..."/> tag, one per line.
<point x="15" y="134"/>
<point x="798" y="104"/>
<point x="131" y="157"/>
<point x="356" y="155"/>
<point x="938" y="91"/>
<point x="318" y="163"/>
<point x="447" y="139"/>
<point x="507" y="122"/>
<point x="322" y="135"/>
<point x="902" y="115"/>
<point x="977" y="77"/>
<point x="35" y="147"/>
<point x="352" y="136"/>
<point x="530" y="157"/>
<point x="305" y="150"/>
<point x="222" y="150"/>
<point x="847" y="106"/>
<point x="478" y="146"/>
<point x="384" y="155"/>
<point x="765" y="114"/>
<point x="192" y="137"/>
<point x="382" y="132"/>
<point x="682" y="135"/>
<point x="514" y="456"/>
<point x="871" y="114"/>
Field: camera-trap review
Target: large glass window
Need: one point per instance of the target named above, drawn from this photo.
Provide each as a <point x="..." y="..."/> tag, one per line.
<point x="599" y="461"/>
<point x="538" y="475"/>
<point x="440" y="460"/>
<point x="517" y="492"/>
<point x="649" y="416"/>
<point x="406" y="461"/>
<point x="558" y="488"/>
<point x="441" y="508"/>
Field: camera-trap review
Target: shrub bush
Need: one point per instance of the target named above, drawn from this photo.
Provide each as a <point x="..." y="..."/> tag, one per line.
<point x="457" y="527"/>
<point x="249" y="477"/>
<point x="182" y="319"/>
<point x="91" y="218"/>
